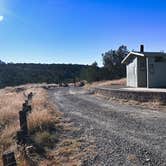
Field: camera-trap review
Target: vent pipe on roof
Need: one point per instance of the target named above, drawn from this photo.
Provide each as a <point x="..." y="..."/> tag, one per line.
<point x="142" y="48"/>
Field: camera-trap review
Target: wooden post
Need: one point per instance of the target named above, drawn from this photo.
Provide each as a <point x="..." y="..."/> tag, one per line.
<point x="30" y="95"/>
<point x="26" y="102"/>
<point x="24" y="105"/>
<point x="22" y="139"/>
<point x="26" y="108"/>
<point x="29" y="108"/>
<point x="9" y="159"/>
<point x="23" y="122"/>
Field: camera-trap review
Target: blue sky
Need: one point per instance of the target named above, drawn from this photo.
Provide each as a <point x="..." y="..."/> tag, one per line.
<point x="78" y="31"/>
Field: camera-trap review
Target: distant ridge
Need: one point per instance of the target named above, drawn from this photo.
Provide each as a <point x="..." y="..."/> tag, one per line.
<point x="18" y="74"/>
<point x="1" y="62"/>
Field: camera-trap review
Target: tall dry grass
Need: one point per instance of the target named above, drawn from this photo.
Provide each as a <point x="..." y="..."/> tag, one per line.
<point x="43" y="114"/>
<point x="10" y="105"/>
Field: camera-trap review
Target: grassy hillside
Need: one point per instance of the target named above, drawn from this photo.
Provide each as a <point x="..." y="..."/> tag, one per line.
<point x="18" y="74"/>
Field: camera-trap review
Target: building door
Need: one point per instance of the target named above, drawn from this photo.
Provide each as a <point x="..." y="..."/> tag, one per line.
<point x="142" y="72"/>
<point x="132" y="73"/>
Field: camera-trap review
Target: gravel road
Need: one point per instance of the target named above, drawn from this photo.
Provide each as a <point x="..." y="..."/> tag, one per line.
<point x="123" y="135"/>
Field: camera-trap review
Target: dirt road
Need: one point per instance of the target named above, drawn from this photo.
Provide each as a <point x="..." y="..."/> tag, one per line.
<point x="123" y="135"/>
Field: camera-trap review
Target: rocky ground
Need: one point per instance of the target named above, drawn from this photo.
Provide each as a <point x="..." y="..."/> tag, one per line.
<point x="118" y="134"/>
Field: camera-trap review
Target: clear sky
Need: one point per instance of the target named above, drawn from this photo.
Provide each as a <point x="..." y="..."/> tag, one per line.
<point x="78" y="31"/>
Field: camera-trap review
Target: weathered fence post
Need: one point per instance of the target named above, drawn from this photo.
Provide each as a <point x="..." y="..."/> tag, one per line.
<point x="9" y="159"/>
<point x="20" y="138"/>
<point x="26" y="102"/>
<point x="22" y="135"/>
<point x="23" y="122"/>
<point x="30" y="95"/>
<point x="26" y="108"/>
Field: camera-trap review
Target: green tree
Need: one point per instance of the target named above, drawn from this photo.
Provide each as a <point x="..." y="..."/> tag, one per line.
<point x="91" y="73"/>
<point x="112" y="61"/>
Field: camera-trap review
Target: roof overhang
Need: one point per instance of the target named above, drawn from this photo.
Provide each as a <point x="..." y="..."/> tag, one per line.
<point x="131" y="55"/>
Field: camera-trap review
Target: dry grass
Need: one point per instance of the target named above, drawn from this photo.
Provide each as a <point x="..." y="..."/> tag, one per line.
<point x="155" y="105"/>
<point x="120" y="82"/>
<point x="43" y="116"/>
<point x="40" y="121"/>
<point x="65" y="154"/>
<point x="10" y="104"/>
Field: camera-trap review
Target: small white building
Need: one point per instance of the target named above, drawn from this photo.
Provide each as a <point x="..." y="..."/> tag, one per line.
<point x="146" y="69"/>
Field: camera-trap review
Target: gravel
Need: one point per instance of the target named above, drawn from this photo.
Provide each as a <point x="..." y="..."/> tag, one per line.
<point x="123" y="135"/>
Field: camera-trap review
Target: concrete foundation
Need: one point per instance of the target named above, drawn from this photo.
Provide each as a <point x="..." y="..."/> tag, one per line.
<point x="141" y="95"/>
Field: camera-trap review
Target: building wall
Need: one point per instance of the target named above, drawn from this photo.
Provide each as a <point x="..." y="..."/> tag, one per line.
<point x="156" y="73"/>
<point x="142" y="72"/>
<point x="132" y="73"/>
